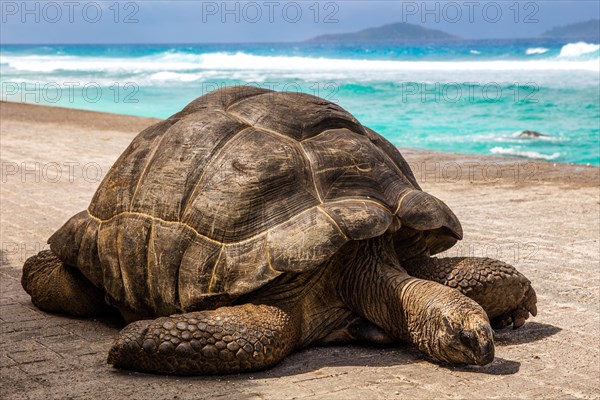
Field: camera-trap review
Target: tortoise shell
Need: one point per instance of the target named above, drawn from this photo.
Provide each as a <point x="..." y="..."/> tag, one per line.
<point x="241" y="186"/>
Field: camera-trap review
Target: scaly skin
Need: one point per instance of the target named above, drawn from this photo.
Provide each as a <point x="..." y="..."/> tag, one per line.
<point x="248" y="337"/>
<point x="504" y="293"/>
<point x="56" y="287"/>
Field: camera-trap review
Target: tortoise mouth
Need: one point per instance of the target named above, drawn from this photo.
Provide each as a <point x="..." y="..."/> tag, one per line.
<point x="486" y="353"/>
<point x="473" y="346"/>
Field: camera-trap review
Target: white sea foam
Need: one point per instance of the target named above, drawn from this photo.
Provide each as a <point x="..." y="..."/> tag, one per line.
<point x="174" y="76"/>
<point x="578" y="49"/>
<point x="101" y="64"/>
<point x="240" y="61"/>
<point x="536" y="50"/>
<point x="512" y="151"/>
<point x="474" y="52"/>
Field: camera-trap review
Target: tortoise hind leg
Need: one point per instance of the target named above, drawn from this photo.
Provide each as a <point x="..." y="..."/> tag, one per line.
<point x="56" y="287"/>
<point x="242" y="338"/>
<point x="503" y="292"/>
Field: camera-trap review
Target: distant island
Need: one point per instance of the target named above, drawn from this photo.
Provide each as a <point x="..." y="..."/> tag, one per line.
<point x="404" y="32"/>
<point x="391" y="33"/>
<point x="581" y="30"/>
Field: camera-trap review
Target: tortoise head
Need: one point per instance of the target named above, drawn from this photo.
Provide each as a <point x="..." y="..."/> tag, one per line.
<point x="458" y="334"/>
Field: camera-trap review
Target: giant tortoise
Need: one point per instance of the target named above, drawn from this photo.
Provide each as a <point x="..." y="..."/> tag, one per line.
<point x="254" y="223"/>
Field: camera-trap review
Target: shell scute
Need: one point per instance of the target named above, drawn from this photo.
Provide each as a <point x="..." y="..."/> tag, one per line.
<point x="257" y="181"/>
<point x="123" y="255"/>
<point x="178" y="162"/>
<point x="347" y="165"/>
<point x="304" y="242"/>
<point x="424" y="212"/>
<point x="88" y="251"/>
<point x="167" y="244"/>
<point x="221" y="99"/>
<point x="242" y="268"/>
<point x="66" y="241"/>
<point x="115" y="193"/>
<point x="304" y="116"/>
<point x="360" y="219"/>
<point x="195" y="272"/>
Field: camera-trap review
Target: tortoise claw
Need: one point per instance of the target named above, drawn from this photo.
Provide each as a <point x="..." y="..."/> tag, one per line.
<point x="530" y="301"/>
<point x="518" y="316"/>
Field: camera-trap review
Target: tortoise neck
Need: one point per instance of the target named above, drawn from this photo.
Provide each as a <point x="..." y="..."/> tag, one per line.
<point x="373" y="284"/>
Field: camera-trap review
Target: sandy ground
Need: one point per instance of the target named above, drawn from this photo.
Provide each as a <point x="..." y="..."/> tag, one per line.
<point x="541" y="217"/>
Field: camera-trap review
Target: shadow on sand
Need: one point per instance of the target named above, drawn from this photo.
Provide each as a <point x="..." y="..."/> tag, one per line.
<point x="314" y="359"/>
<point x="528" y="333"/>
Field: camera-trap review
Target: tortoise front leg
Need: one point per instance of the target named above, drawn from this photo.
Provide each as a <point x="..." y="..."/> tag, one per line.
<point x="243" y="338"/>
<point x="504" y="293"/>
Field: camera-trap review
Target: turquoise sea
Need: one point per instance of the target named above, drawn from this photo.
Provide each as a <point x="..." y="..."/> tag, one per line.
<point x="462" y="96"/>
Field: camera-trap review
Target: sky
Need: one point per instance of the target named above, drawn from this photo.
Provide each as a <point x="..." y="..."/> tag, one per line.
<point x="107" y="22"/>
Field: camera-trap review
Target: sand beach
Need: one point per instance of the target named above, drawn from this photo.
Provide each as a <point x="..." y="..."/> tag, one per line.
<point x="542" y="217"/>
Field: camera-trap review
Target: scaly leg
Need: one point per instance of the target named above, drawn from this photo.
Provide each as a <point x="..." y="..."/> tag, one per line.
<point x="242" y="338"/>
<point x="56" y="287"/>
<point x="503" y="292"/>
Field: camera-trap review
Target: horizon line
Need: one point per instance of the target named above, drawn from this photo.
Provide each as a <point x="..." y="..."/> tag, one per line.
<point x="303" y="42"/>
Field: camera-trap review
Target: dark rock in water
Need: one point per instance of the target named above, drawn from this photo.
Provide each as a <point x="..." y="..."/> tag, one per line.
<point x="531" y="134"/>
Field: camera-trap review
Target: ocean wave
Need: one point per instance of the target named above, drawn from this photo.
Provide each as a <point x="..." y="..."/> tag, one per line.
<point x="173" y="61"/>
<point x="578" y="49"/>
<point x="536" y="50"/>
<point x="245" y="61"/>
<point x="174" y="76"/>
<point x="48" y="64"/>
<point x="474" y="52"/>
<point x="512" y="151"/>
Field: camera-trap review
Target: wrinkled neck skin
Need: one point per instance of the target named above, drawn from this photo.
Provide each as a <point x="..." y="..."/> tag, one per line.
<point x="372" y="283"/>
<point x="364" y="278"/>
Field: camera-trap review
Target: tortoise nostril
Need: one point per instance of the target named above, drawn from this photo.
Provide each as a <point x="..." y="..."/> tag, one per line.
<point x="468" y="338"/>
<point x="479" y="345"/>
